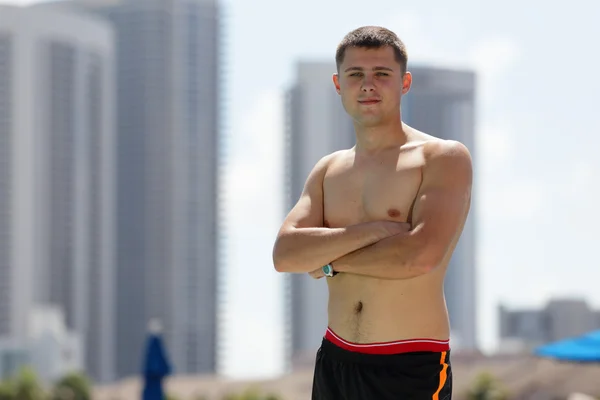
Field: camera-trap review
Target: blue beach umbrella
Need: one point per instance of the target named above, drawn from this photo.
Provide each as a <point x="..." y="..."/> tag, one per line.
<point x="156" y="365"/>
<point x="583" y="349"/>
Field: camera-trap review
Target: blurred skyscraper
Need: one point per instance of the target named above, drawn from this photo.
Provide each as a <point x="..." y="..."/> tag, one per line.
<point x="316" y="125"/>
<point x="57" y="176"/>
<point x="440" y="103"/>
<point x="521" y="330"/>
<point x="168" y="102"/>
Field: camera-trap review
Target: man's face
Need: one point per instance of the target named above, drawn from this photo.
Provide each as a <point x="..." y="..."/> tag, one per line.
<point x="371" y="84"/>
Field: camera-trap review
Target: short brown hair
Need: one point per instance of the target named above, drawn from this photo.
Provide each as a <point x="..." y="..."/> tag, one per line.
<point x="372" y="37"/>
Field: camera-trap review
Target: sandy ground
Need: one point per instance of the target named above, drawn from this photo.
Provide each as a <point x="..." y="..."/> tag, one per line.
<point x="525" y="377"/>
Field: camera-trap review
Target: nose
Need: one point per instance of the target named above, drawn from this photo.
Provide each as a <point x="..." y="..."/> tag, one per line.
<point x="367" y="85"/>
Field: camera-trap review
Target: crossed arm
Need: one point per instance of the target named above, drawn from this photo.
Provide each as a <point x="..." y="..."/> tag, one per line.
<point x="303" y="244"/>
<point x="439" y="214"/>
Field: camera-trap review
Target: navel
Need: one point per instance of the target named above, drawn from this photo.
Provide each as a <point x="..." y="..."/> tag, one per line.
<point x="358" y="308"/>
<point x="393" y="213"/>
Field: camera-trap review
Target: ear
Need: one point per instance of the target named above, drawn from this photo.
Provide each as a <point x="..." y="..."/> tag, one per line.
<point x="406" y="82"/>
<point x="336" y="82"/>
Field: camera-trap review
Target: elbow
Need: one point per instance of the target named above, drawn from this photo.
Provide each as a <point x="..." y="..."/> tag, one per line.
<point x="428" y="261"/>
<point x="426" y="268"/>
<point x="423" y="259"/>
<point x="279" y="263"/>
<point x="416" y="268"/>
<point x="278" y="260"/>
<point x="280" y="257"/>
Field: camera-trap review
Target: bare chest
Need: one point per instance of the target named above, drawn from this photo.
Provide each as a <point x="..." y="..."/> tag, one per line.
<point x="386" y="190"/>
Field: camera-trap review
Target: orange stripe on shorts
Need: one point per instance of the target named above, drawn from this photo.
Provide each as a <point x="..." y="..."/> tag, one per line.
<point x="443" y="377"/>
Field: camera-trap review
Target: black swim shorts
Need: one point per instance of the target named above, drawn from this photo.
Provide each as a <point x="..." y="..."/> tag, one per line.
<point x="416" y="369"/>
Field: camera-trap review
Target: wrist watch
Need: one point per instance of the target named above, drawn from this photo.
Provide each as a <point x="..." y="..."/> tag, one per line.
<point x="328" y="270"/>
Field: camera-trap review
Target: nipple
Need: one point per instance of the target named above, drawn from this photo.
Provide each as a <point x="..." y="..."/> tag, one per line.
<point x="393" y="213"/>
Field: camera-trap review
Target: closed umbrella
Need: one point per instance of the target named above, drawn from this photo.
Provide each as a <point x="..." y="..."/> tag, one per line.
<point x="156" y="365"/>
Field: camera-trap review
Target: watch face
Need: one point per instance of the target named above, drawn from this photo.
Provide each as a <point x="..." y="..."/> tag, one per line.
<point x="327" y="269"/>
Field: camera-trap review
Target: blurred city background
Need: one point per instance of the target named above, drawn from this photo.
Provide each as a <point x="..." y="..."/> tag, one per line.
<point x="149" y="150"/>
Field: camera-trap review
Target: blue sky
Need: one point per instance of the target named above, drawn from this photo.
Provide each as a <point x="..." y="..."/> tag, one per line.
<point x="537" y="178"/>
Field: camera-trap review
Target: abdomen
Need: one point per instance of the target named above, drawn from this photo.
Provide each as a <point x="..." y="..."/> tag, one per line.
<point x="367" y="310"/>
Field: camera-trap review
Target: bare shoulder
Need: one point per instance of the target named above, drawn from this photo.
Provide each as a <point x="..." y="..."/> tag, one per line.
<point x="440" y="152"/>
<point x="326" y="161"/>
<point x="338" y="160"/>
<point x="339" y="154"/>
<point x="448" y="160"/>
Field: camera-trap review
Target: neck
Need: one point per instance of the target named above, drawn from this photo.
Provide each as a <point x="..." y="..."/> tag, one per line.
<point x="371" y="139"/>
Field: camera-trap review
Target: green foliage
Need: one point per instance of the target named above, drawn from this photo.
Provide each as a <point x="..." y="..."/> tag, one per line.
<point x="7" y="391"/>
<point x="486" y="387"/>
<point x="73" y="386"/>
<point x="252" y="394"/>
<point x="26" y="385"/>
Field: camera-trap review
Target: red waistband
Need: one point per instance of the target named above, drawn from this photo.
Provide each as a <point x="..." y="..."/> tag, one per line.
<point x="400" y="346"/>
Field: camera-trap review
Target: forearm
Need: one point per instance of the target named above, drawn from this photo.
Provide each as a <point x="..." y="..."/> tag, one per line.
<point x="306" y="249"/>
<point x="395" y="257"/>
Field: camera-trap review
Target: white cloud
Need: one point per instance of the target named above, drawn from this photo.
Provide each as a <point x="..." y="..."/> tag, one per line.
<point x="254" y="173"/>
<point x="489" y="56"/>
<point x="492" y="56"/>
<point x="406" y="24"/>
<point x="253" y="211"/>
<point x="496" y="146"/>
<point x="581" y="183"/>
<point x="580" y="194"/>
<point x="516" y="201"/>
<point x="421" y="45"/>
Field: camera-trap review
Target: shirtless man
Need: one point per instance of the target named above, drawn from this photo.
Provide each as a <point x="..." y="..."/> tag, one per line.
<point x="381" y="221"/>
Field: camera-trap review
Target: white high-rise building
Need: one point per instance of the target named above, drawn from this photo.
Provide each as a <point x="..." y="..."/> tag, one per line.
<point x="168" y="122"/>
<point x="316" y="125"/>
<point x="440" y="103"/>
<point x="57" y="176"/>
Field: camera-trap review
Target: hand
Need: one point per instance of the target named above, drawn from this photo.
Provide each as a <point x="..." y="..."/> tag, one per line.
<point x="317" y="273"/>
<point x="393" y="228"/>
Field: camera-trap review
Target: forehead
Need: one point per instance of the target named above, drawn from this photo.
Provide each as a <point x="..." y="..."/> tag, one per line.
<point x="367" y="57"/>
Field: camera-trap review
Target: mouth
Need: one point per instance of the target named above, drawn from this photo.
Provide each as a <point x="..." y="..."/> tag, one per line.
<point x="369" y="102"/>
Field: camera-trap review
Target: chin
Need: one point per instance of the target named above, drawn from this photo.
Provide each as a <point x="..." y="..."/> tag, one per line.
<point x="368" y="122"/>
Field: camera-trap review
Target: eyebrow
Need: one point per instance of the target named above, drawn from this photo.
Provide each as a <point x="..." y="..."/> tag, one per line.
<point x="379" y="68"/>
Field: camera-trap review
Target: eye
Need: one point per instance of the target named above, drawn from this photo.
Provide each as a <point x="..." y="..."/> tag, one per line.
<point x="356" y="74"/>
<point x="383" y="74"/>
